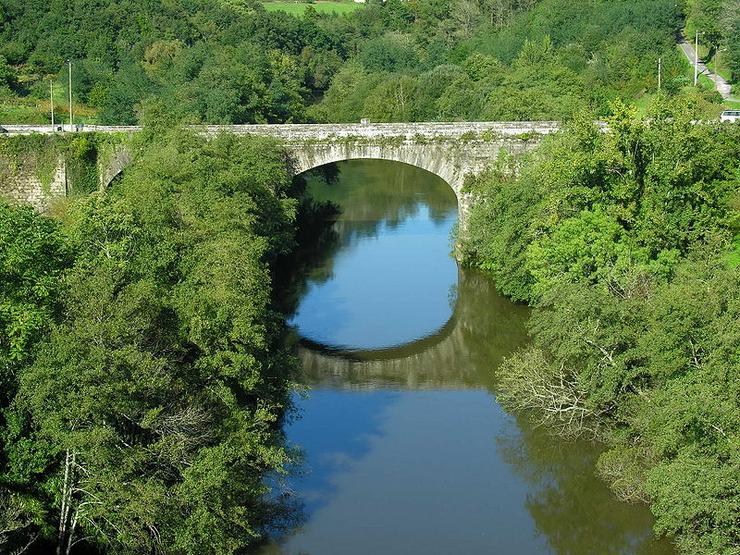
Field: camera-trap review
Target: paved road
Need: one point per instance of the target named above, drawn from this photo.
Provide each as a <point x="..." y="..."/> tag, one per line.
<point x="723" y="87"/>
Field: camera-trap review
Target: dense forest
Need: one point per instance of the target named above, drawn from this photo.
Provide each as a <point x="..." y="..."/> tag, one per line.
<point x="231" y="61"/>
<point x="623" y="243"/>
<point x="143" y="375"/>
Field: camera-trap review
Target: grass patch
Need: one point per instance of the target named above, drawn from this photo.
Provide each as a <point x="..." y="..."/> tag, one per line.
<point x="721" y="70"/>
<point x="733" y="256"/>
<point x="298" y="8"/>
<point x="28" y="110"/>
<point x="642" y="103"/>
<point x="706" y="83"/>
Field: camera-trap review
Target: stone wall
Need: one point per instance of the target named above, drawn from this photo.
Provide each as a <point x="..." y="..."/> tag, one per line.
<point x="408" y="131"/>
<point x="32" y="170"/>
<point x="303" y="132"/>
<point x="113" y="161"/>
<point x="36" y="168"/>
<point x="28" y="188"/>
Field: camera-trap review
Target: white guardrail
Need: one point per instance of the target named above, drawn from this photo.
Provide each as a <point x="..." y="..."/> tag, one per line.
<point x="306" y="131"/>
<point x="64" y="128"/>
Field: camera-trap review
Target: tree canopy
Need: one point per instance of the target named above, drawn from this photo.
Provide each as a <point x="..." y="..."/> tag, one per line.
<point x="150" y="411"/>
<point x="623" y="241"/>
<point x="234" y="62"/>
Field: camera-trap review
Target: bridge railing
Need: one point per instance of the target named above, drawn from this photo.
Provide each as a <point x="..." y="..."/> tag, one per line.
<point x="410" y="131"/>
<point x="303" y="132"/>
<point x="65" y="128"/>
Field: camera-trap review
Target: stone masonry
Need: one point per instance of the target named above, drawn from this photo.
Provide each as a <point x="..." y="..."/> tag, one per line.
<point x="452" y="151"/>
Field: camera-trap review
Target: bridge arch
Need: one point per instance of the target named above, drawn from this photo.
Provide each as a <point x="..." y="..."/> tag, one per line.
<point x="434" y="159"/>
<point x="114" y="164"/>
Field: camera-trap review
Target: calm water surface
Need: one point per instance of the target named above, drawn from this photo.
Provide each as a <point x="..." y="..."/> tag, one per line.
<point x="405" y="449"/>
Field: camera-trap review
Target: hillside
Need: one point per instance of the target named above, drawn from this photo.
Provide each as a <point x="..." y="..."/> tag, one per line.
<point x="234" y="61"/>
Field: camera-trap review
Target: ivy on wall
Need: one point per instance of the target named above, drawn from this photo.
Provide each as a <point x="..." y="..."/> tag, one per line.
<point x="29" y="159"/>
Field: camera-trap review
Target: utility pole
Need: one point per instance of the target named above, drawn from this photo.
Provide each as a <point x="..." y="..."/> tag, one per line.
<point x="52" y="105"/>
<point x="660" y="70"/>
<point x="696" y="59"/>
<point x="71" y="116"/>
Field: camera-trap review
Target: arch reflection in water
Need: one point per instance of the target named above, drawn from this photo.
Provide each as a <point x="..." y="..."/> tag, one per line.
<point x="451" y="358"/>
<point x="406" y="450"/>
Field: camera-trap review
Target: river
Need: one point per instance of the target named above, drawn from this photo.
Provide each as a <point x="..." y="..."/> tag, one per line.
<point x="404" y="447"/>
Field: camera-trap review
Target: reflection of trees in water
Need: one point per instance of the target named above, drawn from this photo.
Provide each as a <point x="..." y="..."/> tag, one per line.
<point x="283" y="514"/>
<point x="312" y="260"/>
<point x="570" y="505"/>
<point x="376" y="193"/>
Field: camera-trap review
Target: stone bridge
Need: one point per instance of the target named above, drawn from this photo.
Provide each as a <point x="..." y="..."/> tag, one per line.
<point x="452" y="151"/>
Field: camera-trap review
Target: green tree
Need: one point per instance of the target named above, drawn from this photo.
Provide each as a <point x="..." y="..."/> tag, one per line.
<point x="150" y="415"/>
<point x="389" y="53"/>
<point x="7" y="73"/>
<point x="620" y="239"/>
<point x="33" y="257"/>
<point x="392" y="100"/>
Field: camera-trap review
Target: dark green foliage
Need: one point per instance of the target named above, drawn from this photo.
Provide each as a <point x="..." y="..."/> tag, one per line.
<point x="521" y="60"/>
<point x="230" y="61"/>
<point x="691" y="346"/>
<point x="592" y="206"/>
<point x="621" y="240"/>
<point x="118" y="100"/>
<point x="388" y="53"/>
<point x="33" y="255"/>
<point x="150" y="412"/>
<point x="7" y="73"/>
<point x="220" y="62"/>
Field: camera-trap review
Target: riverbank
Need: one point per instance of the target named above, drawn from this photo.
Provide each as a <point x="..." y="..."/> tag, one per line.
<point x="635" y="327"/>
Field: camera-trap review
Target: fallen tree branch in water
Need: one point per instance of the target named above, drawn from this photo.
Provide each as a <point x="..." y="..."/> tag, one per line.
<point x="549" y="393"/>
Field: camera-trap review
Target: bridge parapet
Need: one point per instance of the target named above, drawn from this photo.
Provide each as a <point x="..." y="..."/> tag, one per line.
<point x="441" y="131"/>
<point x="64" y="129"/>
<point x="301" y="132"/>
